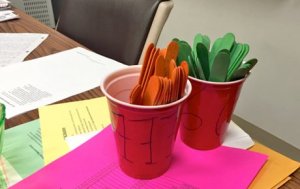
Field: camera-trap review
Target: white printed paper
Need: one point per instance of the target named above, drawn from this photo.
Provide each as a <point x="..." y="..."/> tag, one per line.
<point x="45" y="80"/>
<point x="7" y="15"/>
<point x="14" y="47"/>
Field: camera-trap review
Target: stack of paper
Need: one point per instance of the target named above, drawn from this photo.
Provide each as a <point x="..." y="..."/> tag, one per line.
<point x="15" y="47"/>
<point x="4" y="4"/>
<point x="14" y="164"/>
<point x="276" y="170"/>
<point x="22" y="148"/>
<point x="4" y="13"/>
<point x="22" y="152"/>
<point x="94" y="164"/>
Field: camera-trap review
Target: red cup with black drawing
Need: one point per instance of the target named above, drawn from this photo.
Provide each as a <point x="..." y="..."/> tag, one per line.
<point x="207" y="112"/>
<point x="144" y="135"/>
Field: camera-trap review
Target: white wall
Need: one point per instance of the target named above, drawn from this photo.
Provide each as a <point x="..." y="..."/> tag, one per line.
<point x="270" y="98"/>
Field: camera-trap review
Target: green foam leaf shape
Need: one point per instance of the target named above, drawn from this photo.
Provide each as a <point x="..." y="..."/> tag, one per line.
<point x="202" y="54"/>
<point x="219" y="67"/>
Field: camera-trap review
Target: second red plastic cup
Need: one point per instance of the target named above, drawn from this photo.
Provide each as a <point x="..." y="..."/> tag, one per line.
<point x="207" y="112"/>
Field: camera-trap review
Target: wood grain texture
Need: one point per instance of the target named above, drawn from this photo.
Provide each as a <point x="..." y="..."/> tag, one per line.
<point x="294" y="183"/>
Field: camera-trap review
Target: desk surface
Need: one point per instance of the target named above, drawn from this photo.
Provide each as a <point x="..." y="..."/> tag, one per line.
<point x="57" y="42"/>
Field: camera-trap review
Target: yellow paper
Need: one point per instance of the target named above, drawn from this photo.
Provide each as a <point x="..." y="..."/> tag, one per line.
<point x="68" y="119"/>
<point x="276" y="169"/>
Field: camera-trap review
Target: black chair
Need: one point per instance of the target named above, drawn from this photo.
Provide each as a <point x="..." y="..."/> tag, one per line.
<point x="118" y="29"/>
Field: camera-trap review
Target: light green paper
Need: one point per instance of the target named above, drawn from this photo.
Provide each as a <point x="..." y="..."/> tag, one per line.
<point x="3" y="184"/>
<point x="2" y="125"/>
<point x="23" y="148"/>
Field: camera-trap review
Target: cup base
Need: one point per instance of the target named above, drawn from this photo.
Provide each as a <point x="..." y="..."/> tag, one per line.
<point x="143" y="172"/>
<point x="201" y="147"/>
<point x="195" y="143"/>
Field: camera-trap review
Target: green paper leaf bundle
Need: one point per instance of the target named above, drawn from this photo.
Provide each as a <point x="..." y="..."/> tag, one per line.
<point x="224" y="61"/>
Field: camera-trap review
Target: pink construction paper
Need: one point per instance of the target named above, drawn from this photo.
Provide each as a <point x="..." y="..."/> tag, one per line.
<point x="94" y="165"/>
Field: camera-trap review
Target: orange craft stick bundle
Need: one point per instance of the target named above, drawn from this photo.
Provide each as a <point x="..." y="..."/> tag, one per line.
<point x="160" y="81"/>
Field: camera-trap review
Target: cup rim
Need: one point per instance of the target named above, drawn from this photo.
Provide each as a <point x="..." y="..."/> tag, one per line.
<point x="188" y="90"/>
<point x="219" y="83"/>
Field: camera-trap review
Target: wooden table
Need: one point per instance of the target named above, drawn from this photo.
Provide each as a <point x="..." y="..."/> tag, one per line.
<point x="57" y="42"/>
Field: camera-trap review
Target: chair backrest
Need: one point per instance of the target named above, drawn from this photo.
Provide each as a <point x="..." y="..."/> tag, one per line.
<point x="56" y="5"/>
<point x="117" y="29"/>
<point x="158" y="23"/>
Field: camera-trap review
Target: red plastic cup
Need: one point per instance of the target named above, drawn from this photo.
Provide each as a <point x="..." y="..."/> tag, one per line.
<point x="207" y="112"/>
<point x="144" y="135"/>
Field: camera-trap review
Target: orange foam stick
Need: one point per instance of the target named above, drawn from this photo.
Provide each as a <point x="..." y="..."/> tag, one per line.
<point x="135" y="95"/>
<point x="164" y="91"/>
<point x="172" y="66"/>
<point x="147" y="67"/>
<point x="159" y="95"/>
<point x="185" y="67"/>
<point x="172" y="51"/>
<point x="163" y="52"/>
<point x="138" y="88"/>
<point x="161" y="67"/>
<point x="152" y="91"/>
<point x="182" y="82"/>
<point x="175" y="84"/>
<point x="168" y="92"/>
<point x="150" y="70"/>
<point x="185" y="72"/>
<point x="146" y="61"/>
<point x="169" y="96"/>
